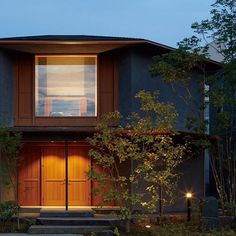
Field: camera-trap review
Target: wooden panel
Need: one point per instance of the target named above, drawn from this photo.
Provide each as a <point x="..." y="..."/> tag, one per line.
<point x="24" y="90"/>
<point x="79" y="185"/>
<point x="53" y="176"/>
<point x="65" y="121"/>
<point x="29" y="177"/>
<point x="107" y="103"/>
<point x="107" y="84"/>
<point x="107" y="94"/>
<point x="97" y="200"/>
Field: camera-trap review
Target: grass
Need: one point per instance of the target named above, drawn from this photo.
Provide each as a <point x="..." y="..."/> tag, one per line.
<point x="169" y="229"/>
<point x="176" y="229"/>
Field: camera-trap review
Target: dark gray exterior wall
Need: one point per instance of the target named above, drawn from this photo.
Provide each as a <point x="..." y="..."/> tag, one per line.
<point x="191" y="180"/>
<point x="125" y="89"/>
<point x="6" y="89"/>
<point x="134" y="76"/>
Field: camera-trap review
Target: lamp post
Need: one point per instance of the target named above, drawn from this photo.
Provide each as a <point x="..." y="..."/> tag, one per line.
<point x="188" y="197"/>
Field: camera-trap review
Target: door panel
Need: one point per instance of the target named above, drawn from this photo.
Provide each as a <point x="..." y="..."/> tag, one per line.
<point x="48" y="163"/>
<point x="79" y="185"/>
<point x="53" y="176"/>
<point x="29" y="177"/>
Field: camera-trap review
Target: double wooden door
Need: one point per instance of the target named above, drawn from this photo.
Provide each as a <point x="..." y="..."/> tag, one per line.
<point x="42" y="176"/>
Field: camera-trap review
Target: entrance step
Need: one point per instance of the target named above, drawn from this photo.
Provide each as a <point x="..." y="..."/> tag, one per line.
<point x="106" y="210"/>
<point x="62" y="229"/>
<point x="63" y="214"/>
<point x="94" y="221"/>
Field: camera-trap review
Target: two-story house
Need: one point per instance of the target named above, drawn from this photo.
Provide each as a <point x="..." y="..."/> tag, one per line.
<point x="54" y="90"/>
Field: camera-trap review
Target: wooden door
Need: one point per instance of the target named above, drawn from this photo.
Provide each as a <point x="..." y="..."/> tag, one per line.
<point x="29" y="177"/>
<point x="79" y="185"/>
<point x="53" y="176"/>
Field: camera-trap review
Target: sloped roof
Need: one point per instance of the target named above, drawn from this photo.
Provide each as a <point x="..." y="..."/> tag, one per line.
<point x="81" y="38"/>
<point x="72" y="38"/>
<point x="72" y="41"/>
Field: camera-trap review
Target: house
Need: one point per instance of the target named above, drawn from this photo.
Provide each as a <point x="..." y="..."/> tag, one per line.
<point x="54" y="90"/>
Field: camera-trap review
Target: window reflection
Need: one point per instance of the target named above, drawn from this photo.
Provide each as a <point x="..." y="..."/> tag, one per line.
<point x="65" y="86"/>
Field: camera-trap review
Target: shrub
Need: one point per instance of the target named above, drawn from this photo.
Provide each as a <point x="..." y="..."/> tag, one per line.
<point x="7" y="210"/>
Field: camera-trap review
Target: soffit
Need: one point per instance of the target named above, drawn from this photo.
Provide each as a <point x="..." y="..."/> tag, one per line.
<point x="45" y="47"/>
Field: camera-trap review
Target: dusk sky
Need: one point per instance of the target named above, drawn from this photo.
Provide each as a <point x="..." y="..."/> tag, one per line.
<point x="163" y="21"/>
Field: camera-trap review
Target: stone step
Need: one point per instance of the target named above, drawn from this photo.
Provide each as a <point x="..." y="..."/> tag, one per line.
<point x="71" y="213"/>
<point x="106" y="210"/>
<point x="108" y="221"/>
<point x="62" y="229"/>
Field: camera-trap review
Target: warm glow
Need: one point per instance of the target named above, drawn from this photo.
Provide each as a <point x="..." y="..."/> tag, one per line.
<point x="189" y="195"/>
<point x="148" y="226"/>
<point x="65" y="85"/>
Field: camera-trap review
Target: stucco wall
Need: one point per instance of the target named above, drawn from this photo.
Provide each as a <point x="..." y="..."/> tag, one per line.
<point x="6" y="89"/>
<point x="124" y="84"/>
<point x="191" y="180"/>
<point x="135" y="76"/>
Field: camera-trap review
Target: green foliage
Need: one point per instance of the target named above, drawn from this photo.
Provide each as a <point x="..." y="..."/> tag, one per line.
<point x="178" y="68"/>
<point x="195" y="124"/>
<point x="7" y="210"/>
<point x="9" y="156"/>
<point x="116" y="232"/>
<point x="9" y="143"/>
<point x="220" y="28"/>
<point x="145" y="144"/>
<point x="176" y="228"/>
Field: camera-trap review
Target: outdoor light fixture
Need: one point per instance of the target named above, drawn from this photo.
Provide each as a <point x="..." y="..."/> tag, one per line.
<point x="188" y="197"/>
<point x="148" y="226"/>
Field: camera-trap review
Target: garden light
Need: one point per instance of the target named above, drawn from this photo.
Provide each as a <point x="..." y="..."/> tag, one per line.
<point x="188" y="197"/>
<point x="148" y="226"/>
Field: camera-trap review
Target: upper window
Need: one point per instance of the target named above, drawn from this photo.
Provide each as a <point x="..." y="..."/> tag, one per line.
<point x="66" y="86"/>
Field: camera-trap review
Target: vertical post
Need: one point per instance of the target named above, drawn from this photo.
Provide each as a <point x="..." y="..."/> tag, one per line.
<point x="188" y="196"/>
<point x="188" y="209"/>
<point x="160" y="200"/>
<point x="66" y="171"/>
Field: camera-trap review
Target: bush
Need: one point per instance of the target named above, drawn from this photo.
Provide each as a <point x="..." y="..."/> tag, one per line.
<point x="7" y="210"/>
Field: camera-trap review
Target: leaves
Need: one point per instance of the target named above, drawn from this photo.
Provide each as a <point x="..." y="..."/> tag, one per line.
<point x="10" y="144"/>
<point x="218" y="33"/>
<point x="141" y="154"/>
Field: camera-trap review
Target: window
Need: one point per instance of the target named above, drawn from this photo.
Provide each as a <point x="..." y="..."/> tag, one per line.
<point x="66" y="86"/>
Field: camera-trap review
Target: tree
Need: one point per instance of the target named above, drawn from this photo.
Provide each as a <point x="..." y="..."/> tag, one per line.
<point x="192" y="54"/>
<point x="10" y="144"/>
<point x="146" y="145"/>
<point x="9" y="158"/>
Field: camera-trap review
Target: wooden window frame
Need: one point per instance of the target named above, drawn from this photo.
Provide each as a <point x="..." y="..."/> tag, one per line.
<point x="67" y="121"/>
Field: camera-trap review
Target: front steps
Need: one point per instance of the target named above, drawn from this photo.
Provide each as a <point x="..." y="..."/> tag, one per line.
<point x="93" y="221"/>
<point x="80" y="222"/>
<point x="70" y="213"/>
<point x="71" y="229"/>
